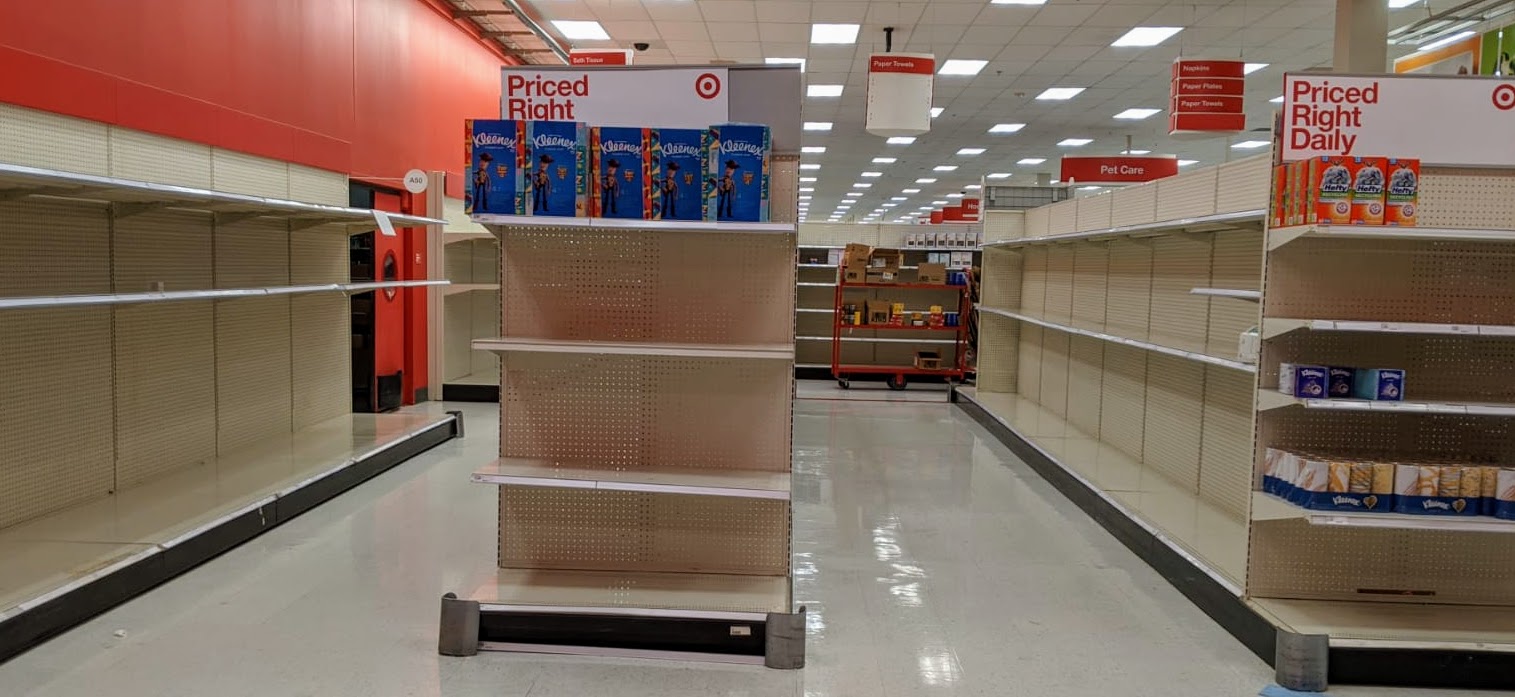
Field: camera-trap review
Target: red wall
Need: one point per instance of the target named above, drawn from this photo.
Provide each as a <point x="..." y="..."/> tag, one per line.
<point x="370" y="88"/>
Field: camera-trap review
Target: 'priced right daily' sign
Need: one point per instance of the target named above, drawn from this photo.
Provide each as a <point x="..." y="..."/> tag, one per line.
<point x="1453" y="120"/>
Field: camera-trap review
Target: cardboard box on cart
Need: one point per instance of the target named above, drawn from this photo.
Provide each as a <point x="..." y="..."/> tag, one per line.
<point x="932" y="273"/>
<point x="856" y="272"/>
<point x="855" y="253"/>
<point x="882" y="259"/>
<point x="876" y="311"/>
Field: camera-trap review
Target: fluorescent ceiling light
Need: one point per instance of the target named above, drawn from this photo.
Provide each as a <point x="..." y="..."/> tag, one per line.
<point x="833" y="33"/>
<point x="871" y="175"/>
<point x="1400" y="4"/>
<point x="817" y="125"/>
<point x="807" y="180"/>
<point x="854" y="194"/>
<point x="890" y="205"/>
<point x="1459" y="36"/>
<point x="1277" y="100"/>
<point x="1006" y="127"/>
<point x="910" y="191"/>
<point x="1146" y="36"/>
<point x="938" y="203"/>
<point x="899" y="198"/>
<point x="814" y="149"/>
<point x="961" y="66"/>
<point x="580" y="30"/>
<point x="1075" y="142"/>
<point x="999" y="175"/>
<point x="823" y="91"/>
<point x="944" y="168"/>
<point x="806" y="198"/>
<point x="970" y="152"/>
<point x="926" y="208"/>
<point x="1059" y="93"/>
<point x="885" y="160"/>
<point x="1186" y="163"/>
<point x="862" y="185"/>
<point x="936" y="111"/>
<point x="900" y="140"/>
<point x="809" y="165"/>
<point x="974" y="187"/>
<point x="1136" y="114"/>
<point x="807" y="189"/>
<point x="1249" y="68"/>
<point x="925" y="180"/>
<point x="954" y="195"/>
<point x="1017" y="2"/>
<point x="1250" y="144"/>
<point x="1031" y="160"/>
<point x="786" y="61"/>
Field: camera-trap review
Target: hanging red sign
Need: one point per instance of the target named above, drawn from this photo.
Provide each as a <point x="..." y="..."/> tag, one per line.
<point x="599" y="57"/>
<point x="1207" y="97"/>
<point x="937" y="216"/>
<point x="1117" y="170"/>
<point x="952" y="214"/>
<point x="970" y="209"/>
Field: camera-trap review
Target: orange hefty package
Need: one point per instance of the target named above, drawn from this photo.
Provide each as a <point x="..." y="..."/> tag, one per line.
<point x="1402" y="192"/>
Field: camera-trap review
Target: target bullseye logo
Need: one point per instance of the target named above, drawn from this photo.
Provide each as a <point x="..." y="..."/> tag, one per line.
<point x="1504" y="97"/>
<point x="707" y="86"/>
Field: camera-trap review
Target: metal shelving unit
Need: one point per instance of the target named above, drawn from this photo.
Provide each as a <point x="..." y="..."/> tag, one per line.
<point x="953" y="368"/>
<point x="642" y="512"/>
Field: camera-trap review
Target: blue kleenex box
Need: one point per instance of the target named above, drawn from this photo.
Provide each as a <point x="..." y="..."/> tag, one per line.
<point x="559" y="160"/>
<point x="679" y="160"/>
<point x="1381" y="384"/>
<point x="1308" y="381"/>
<point x="496" y="156"/>
<point x="1339" y="382"/>
<point x="739" y="165"/>
<point x="622" y="183"/>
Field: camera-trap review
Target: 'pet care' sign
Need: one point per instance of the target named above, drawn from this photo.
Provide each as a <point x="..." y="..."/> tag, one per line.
<point x="656" y="98"/>
<point x="1452" y="120"/>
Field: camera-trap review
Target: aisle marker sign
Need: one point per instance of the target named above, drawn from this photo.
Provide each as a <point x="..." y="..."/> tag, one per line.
<point x="1207" y="97"/>
<point x="1445" y="120"/>
<point x="1119" y="169"/>
<point x="899" y="93"/>
<point x="600" y="56"/>
<point x="658" y="98"/>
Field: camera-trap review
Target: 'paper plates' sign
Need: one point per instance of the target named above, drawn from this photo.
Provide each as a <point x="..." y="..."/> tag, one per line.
<point x="1207" y="97"/>
<point x="1441" y="120"/>
<point x="899" y="93"/>
<point x="1118" y="169"/>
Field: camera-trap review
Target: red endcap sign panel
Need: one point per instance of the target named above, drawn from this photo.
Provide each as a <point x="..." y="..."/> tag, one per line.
<point x="1118" y="169"/>
<point x="970" y="209"/>
<point x="1207" y="97"/>
<point x="899" y="93"/>
<point x="659" y="98"/>
<point x="599" y="57"/>
<point x="937" y="216"/>
<point x="952" y="214"/>
<point x="1441" y="120"/>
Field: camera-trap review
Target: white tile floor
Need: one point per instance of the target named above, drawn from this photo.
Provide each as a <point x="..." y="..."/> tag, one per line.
<point x="932" y="560"/>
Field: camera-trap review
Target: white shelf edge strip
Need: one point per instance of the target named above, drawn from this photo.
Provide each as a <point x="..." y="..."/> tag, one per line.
<point x="528" y="221"/>
<point x="93" y="187"/>
<point x="1113" y="502"/>
<point x="816" y="285"/>
<point x="871" y="340"/>
<point x="216" y="294"/>
<point x="1166" y="225"/>
<point x="1270" y="399"/>
<point x="1279" y="237"/>
<point x="1228" y="293"/>
<point x="1156" y="348"/>
<point x="643" y="487"/>
<point x="1277" y="326"/>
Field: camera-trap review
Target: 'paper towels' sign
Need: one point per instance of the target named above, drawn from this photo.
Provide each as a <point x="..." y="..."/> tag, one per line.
<point x="899" y="93"/>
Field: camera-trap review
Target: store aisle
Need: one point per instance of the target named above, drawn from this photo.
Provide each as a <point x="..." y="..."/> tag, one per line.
<point x="932" y="560"/>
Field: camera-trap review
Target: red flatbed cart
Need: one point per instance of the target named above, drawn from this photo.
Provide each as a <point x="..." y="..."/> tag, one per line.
<point x="840" y="324"/>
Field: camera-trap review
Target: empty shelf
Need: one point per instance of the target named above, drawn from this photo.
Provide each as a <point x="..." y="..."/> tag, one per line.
<point x="1277" y="326"/>
<point x="1271" y="399"/>
<point x="209" y="294"/>
<point x="1203" y="223"/>
<point x="1397" y="625"/>
<point x="1267" y="507"/>
<point x="457" y="288"/>
<point x="666" y="480"/>
<point x="1228" y="293"/>
<point x="779" y="352"/>
<point x="1279" y="237"/>
<point x="1144" y="345"/>
<point x="647" y="594"/>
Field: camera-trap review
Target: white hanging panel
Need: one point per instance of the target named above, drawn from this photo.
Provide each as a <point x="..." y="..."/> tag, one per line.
<point x="637" y="286"/>
<point x="1225" y="454"/>
<point x="1086" y="366"/>
<point x="1091" y="264"/>
<point x="1129" y="290"/>
<point x="1179" y="318"/>
<point x="1175" y="409"/>
<point x="545" y="528"/>
<point x="1054" y="379"/>
<point x="1124" y="401"/>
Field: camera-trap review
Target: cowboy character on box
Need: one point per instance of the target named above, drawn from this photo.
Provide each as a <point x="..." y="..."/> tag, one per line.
<point x="541" y="185"/>
<point x="610" y="188"/>
<point x="725" y="191"/>
<point x="670" y="188"/>
<point x="481" y="184"/>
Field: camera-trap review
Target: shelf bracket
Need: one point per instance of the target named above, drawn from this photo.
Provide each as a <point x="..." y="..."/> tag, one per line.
<point x="1300" y="661"/>
<point x="233" y="218"/>
<point x="784" y="646"/>
<point x="127" y="209"/>
<point x="308" y="223"/>
<point x="458" y="634"/>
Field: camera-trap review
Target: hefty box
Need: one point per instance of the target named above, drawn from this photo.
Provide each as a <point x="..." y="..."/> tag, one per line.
<point x="621" y="159"/>
<point x="558" y="155"/>
<point x="1402" y="197"/>
<point x="1367" y="189"/>
<point x="740" y="162"/>
<point x="1328" y="197"/>
<point x="679" y="159"/>
<point x="496" y="159"/>
<point x="1276" y="200"/>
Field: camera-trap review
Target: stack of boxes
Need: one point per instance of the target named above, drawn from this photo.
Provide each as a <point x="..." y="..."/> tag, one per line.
<point x="1346" y="191"/>
<point x="1335" y="382"/>
<point x="1424" y="488"/>
<point x="564" y="168"/>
